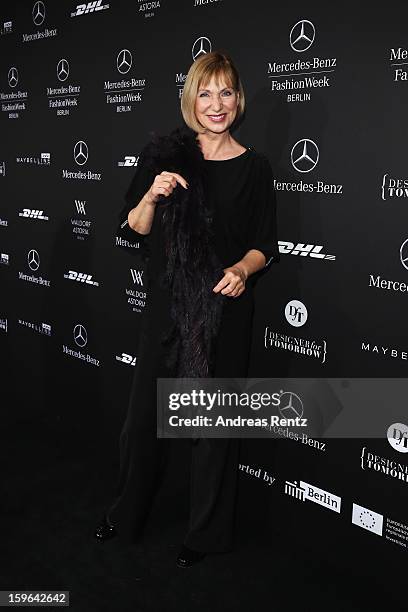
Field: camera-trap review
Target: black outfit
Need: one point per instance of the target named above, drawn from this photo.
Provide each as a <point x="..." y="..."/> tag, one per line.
<point x="242" y="198"/>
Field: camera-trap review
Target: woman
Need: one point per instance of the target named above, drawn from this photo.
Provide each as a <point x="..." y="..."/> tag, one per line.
<point x="203" y="206"/>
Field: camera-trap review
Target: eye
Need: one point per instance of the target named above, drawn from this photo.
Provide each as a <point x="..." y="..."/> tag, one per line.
<point x="228" y="92"/>
<point x="203" y="93"/>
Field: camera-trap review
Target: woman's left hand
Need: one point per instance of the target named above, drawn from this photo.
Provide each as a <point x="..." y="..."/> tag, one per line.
<point x="233" y="282"/>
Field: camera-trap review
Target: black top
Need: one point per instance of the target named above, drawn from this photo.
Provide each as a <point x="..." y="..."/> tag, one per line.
<point x="241" y="194"/>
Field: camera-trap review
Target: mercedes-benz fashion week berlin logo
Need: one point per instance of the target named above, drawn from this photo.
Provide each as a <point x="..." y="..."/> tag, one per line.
<point x="81" y="152"/>
<point x="33" y="259"/>
<point x="304" y="155"/>
<point x="63" y="69"/>
<point x="124" y="61"/>
<point x="302" y="35"/>
<point x="38" y="13"/>
<point x="13" y="76"/>
<point x="201" y="46"/>
<point x="80" y="335"/>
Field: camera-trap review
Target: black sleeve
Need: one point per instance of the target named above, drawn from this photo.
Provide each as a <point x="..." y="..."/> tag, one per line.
<point x="262" y="233"/>
<point x="140" y="184"/>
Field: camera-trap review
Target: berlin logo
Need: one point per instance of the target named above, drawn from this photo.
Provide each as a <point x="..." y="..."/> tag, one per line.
<point x="124" y="61"/>
<point x="296" y="313"/>
<point x="304" y="155"/>
<point x="201" y="46"/>
<point x="13" y="76"/>
<point x="302" y="35"/>
<point x="81" y="153"/>
<point x="80" y="335"/>
<point x="63" y="69"/>
<point x="290" y="407"/>
<point x="397" y="435"/>
<point x="33" y="259"/>
<point x="38" y="13"/>
<point x="404" y="254"/>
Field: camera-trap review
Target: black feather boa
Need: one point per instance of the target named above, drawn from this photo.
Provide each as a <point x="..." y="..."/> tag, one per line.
<point x="193" y="268"/>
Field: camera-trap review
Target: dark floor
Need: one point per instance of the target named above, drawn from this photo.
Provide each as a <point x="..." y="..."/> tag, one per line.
<point x="53" y="494"/>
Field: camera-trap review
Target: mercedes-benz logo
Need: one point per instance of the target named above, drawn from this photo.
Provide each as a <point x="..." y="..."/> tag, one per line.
<point x="296" y="313"/>
<point x="304" y="155"/>
<point x="302" y="35"/>
<point x="291" y="406"/>
<point x="33" y="259"/>
<point x="80" y="335"/>
<point x="124" y="61"/>
<point x="63" y="69"/>
<point x="13" y="76"/>
<point x="404" y="254"/>
<point x="81" y="152"/>
<point x="201" y="46"/>
<point x="38" y="13"/>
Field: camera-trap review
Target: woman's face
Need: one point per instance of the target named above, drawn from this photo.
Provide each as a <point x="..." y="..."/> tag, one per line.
<point x="216" y="107"/>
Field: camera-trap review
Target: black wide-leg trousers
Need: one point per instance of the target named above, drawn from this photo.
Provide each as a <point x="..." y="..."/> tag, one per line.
<point x="214" y="461"/>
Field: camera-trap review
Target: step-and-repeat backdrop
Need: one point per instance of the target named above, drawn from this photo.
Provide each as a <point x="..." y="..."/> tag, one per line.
<point x="81" y="88"/>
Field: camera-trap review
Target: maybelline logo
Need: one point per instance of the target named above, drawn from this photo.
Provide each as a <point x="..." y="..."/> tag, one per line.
<point x="3" y="324"/>
<point x="80" y="336"/>
<point x="6" y="28"/>
<point x="383" y="465"/>
<point x="43" y="160"/>
<point x="304" y="491"/>
<point x="301" y="74"/>
<point x="304" y="157"/>
<point x="81" y="277"/>
<point x="130" y="161"/>
<point x="125" y="358"/>
<point x="33" y="260"/>
<point x="398" y="58"/>
<point x="3" y="168"/>
<point x="80" y="155"/>
<point x="80" y="227"/>
<point x="63" y="97"/>
<point x="393" y="187"/>
<point x="300" y="346"/>
<point x="31" y="213"/>
<point x="384" y="351"/>
<point x="4" y="259"/>
<point x="127" y="90"/>
<point x="38" y="15"/>
<point x="3" y="222"/>
<point x="303" y="250"/>
<point x="90" y="7"/>
<point x="41" y="328"/>
<point x="148" y="8"/>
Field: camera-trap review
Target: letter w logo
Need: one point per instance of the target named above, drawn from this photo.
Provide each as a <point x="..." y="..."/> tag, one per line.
<point x="80" y="206"/>
<point x="137" y="276"/>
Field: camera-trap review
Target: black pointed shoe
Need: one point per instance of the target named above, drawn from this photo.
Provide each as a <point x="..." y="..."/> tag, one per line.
<point x="105" y="531"/>
<point x="188" y="557"/>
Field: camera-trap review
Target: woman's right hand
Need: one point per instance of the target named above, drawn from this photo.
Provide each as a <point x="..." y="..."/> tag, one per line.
<point x="163" y="185"/>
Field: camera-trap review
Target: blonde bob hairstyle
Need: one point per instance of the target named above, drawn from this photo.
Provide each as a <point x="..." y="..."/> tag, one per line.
<point x="216" y="64"/>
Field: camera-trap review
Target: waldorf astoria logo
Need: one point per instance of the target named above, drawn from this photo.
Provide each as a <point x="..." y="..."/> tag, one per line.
<point x="305" y="491"/>
<point x="148" y="9"/>
<point x="305" y="71"/>
<point x="80" y="224"/>
<point x="136" y="296"/>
